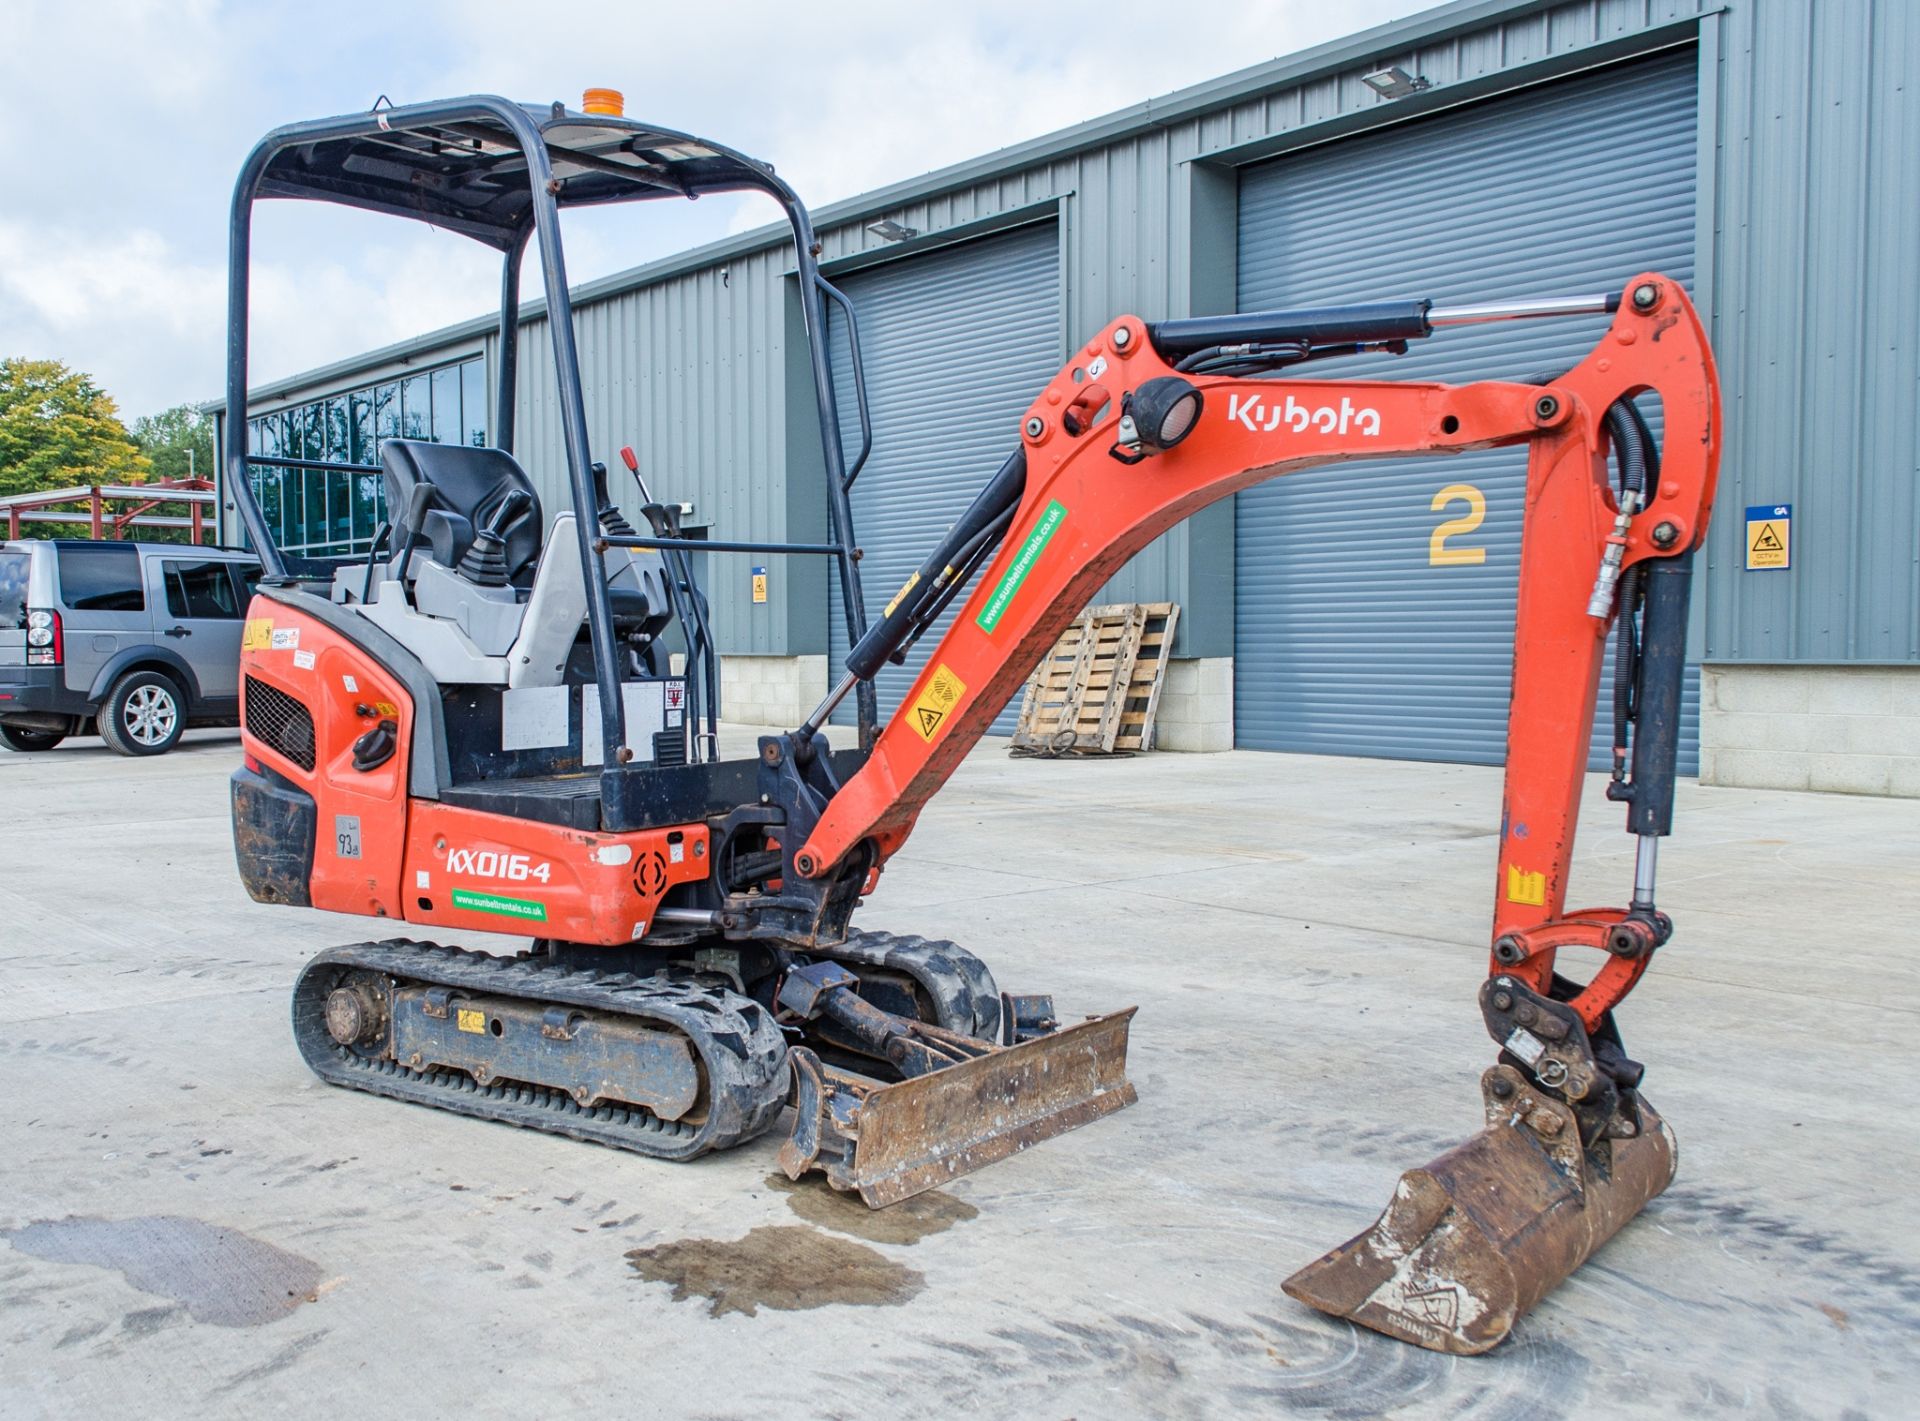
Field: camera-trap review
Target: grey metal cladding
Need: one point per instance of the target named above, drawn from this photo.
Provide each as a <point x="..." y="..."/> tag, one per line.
<point x="955" y="342"/>
<point x="689" y="372"/>
<point x="1816" y="309"/>
<point x="1349" y="639"/>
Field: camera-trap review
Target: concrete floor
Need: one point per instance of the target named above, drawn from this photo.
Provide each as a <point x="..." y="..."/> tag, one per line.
<point x="194" y="1225"/>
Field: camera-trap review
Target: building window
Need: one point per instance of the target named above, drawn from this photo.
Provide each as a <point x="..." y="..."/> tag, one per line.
<point x="335" y="513"/>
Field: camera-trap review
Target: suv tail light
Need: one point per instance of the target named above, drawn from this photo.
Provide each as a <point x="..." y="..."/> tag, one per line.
<point x="45" y="645"/>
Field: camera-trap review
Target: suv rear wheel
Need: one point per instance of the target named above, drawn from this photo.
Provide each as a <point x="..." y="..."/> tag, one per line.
<point x="144" y="714"/>
<point x="16" y="737"/>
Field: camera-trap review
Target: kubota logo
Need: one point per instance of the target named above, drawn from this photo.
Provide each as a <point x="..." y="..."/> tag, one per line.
<point x="1258" y="416"/>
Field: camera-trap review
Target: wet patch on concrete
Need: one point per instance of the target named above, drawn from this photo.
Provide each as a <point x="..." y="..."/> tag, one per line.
<point x="779" y="1266"/>
<point x="909" y="1221"/>
<point x="220" y="1276"/>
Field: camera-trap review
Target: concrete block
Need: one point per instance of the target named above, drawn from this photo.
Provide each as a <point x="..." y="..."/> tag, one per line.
<point x="1851" y="774"/>
<point x="1183" y="677"/>
<point x="1840" y="691"/>
<point x="1877" y="735"/>
<point x="1176" y="706"/>
<point x="1754" y="688"/>
<point x="1905" y="781"/>
<point x="1213" y="708"/>
<point x="770" y="690"/>
<point x="1757" y="730"/>
<point x="1209" y="738"/>
<point x="1905" y="686"/>
<point x="1216" y="675"/>
<point x="1757" y="769"/>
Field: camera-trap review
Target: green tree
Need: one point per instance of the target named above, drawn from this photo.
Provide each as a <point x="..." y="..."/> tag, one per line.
<point x="58" y="428"/>
<point x="179" y="441"/>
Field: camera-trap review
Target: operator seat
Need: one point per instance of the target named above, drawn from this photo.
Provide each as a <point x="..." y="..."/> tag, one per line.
<point x="469" y="483"/>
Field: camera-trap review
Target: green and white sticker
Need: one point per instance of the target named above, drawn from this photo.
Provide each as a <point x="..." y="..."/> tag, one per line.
<point x="500" y="904"/>
<point x="1036" y="541"/>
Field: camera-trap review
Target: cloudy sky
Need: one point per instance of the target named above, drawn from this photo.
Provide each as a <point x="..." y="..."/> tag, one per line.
<point x="123" y="123"/>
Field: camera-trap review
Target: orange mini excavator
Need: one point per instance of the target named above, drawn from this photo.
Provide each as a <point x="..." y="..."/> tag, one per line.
<point x="502" y="718"/>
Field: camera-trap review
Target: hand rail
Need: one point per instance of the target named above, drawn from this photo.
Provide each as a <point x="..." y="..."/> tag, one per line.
<point x="712" y="545"/>
<point x="859" y="377"/>
<point x="333" y="465"/>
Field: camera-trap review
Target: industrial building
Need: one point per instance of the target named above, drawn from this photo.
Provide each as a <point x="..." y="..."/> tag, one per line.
<point x="1765" y="152"/>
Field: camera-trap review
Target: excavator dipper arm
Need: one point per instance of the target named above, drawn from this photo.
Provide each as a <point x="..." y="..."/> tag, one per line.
<point x="1131" y="437"/>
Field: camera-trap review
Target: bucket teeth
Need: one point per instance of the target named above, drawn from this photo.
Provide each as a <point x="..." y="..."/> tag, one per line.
<point x="890" y="1142"/>
<point x="1471" y="1242"/>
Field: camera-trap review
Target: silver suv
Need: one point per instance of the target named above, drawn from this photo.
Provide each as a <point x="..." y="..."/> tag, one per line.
<point x="134" y="641"/>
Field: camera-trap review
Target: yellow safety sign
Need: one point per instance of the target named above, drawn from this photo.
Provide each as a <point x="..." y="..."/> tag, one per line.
<point x="935" y="702"/>
<point x="1770" y="536"/>
<point x="1526" y="887"/>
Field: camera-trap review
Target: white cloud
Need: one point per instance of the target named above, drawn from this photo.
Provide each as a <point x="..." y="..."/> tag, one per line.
<point x="114" y="260"/>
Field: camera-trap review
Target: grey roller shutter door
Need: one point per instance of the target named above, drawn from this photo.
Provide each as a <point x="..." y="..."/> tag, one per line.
<point x="956" y="344"/>
<point x="1349" y="638"/>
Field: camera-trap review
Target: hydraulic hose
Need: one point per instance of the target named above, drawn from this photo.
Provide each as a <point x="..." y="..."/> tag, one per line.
<point x="1631" y="440"/>
<point x="1632" y="443"/>
<point x="993" y="507"/>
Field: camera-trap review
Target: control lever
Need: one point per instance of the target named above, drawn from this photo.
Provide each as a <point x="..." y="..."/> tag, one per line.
<point x="484" y="563"/>
<point x="376" y="747"/>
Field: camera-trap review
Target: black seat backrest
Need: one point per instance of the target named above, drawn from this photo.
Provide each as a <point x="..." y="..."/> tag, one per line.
<point x="469" y="483"/>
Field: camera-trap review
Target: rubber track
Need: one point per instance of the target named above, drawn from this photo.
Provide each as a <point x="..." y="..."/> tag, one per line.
<point x="743" y="1052"/>
<point x="963" y="991"/>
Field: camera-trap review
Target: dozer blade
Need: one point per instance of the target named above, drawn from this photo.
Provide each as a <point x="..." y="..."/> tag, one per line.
<point x="1471" y="1242"/>
<point x="890" y="1142"/>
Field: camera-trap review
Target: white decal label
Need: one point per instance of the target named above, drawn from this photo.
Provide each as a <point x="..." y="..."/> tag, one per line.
<point x="422" y="879"/>
<point x="353" y="686"/>
<point x="502" y="867"/>
<point x="286" y="638"/>
<point x="304" y="660"/>
<point x="1528" y="1047"/>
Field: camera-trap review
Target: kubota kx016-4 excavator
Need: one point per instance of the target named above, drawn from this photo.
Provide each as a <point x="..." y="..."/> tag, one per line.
<point x="476" y="726"/>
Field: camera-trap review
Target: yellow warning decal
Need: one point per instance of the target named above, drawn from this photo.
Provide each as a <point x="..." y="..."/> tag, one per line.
<point x="473" y="1022"/>
<point x="258" y="635"/>
<point x="1524" y="887"/>
<point x="936" y="701"/>
<point x="905" y="588"/>
<point x="386" y="708"/>
<point x="1767" y="543"/>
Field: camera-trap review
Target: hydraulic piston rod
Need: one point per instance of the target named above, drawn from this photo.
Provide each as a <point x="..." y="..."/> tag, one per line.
<point x="1478" y="313"/>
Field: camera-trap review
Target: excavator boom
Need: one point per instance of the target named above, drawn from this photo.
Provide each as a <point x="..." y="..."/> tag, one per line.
<point x="1146" y="425"/>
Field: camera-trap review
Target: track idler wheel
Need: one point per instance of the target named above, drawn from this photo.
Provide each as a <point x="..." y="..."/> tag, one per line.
<point x="1471" y="1242"/>
<point x="357" y="1011"/>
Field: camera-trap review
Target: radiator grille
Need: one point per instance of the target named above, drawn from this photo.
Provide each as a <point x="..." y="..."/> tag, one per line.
<point x="280" y="722"/>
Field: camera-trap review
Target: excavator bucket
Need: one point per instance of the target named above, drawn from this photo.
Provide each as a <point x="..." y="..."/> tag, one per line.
<point x="1471" y="1242"/>
<point x="889" y="1142"/>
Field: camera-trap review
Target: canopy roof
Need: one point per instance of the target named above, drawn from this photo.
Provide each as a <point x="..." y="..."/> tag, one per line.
<point x="458" y="165"/>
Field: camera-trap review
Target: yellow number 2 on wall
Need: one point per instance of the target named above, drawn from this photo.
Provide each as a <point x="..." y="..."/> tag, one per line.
<point x="1438" y="553"/>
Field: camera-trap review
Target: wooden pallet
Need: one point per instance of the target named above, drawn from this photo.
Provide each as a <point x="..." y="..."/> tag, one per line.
<point x="1051" y="704"/>
<point x="1142" y="700"/>
<point x="1096" y="691"/>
